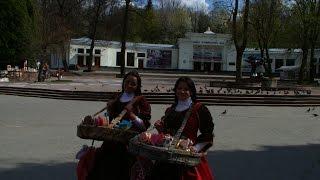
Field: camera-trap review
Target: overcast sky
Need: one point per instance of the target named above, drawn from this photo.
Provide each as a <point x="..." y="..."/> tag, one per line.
<point x="194" y="3"/>
<point x="197" y="4"/>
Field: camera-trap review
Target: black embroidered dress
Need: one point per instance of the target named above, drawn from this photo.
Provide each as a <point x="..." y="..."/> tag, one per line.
<point x="113" y="162"/>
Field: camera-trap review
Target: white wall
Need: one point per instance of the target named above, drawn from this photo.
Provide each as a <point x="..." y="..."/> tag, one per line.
<point x="182" y="58"/>
<point x="174" y="59"/>
<point x="73" y="54"/>
<point x="185" y="54"/>
<point x="230" y="58"/>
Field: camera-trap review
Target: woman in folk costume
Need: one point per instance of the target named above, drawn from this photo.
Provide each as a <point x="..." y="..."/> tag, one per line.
<point x="199" y="119"/>
<point x="112" y="161"/>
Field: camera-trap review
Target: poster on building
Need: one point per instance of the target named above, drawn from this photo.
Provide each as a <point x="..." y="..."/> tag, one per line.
<point x="207" y="53"/>
<point x="159" y="59"/>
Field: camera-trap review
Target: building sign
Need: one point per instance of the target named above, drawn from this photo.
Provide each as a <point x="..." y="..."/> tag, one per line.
<point x="159" y="59"/>
<point x="207" y="53"/>
<point x="209" y="42"/>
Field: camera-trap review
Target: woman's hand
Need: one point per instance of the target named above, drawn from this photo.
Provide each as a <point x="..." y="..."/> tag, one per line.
<point x="129" y="107"/>
<point x="131" y="115"/>
<point x="159" y="125"/>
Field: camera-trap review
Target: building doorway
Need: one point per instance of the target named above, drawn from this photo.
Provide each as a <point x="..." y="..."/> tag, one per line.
<point x="197" y="66"/>
<point x="217" y="67"/>
<point x="97" y="61"/>
<point x="207" y="66"/>
<point x="80" y="60"/>
<point x="140" y="63"/>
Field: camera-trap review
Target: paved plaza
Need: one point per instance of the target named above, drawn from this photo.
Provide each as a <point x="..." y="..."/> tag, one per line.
<point x="152" y="82"/>
<point x="38" y="140"/>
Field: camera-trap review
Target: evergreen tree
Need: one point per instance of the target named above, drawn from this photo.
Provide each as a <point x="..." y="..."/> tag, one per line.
<point x="17" y="29"/>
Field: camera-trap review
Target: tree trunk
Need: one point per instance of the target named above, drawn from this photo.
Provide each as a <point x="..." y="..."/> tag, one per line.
<point x="238" y="65"/>
<point x="240" y="47"/>
<point x="89" y="65"/>
<point x="124" y="39"/>
<point x="264" y="64"/>
<point x="64" y="59"/>
<point x="268" y="70"/>
<point x="311" y="64"/>
<point x="42" y="60"/>
<point x="40" y="71"/>
<point x="261" y="48"/>
<point x="93" y="35"/>
<point x="303" y="65"/>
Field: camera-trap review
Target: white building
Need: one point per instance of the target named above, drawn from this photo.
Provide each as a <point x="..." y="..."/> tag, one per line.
<point x="206" y="51"/>
<point x="107" y="54"/>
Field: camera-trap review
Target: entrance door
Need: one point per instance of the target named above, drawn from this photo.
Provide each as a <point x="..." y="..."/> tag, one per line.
<point x="207" y="66"/>
<point x="197" y="66"/>
<point x="97" y="61"/>
<point x="217" y="67"/>
<point x="140" y="63"/>
<point x="80" y="60"/>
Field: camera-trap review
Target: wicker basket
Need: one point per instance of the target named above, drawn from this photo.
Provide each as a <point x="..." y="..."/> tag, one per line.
<point x="166" y="154"/>
<point x="102" y="133"/>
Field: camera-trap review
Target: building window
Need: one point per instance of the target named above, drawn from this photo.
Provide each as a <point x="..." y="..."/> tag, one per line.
<point x="141" y="55"/>
<point x="232" y="63"/>
<point x="88" y="51"/>
<point x="118" y="60"/>
<point x="290" y="62"/>
<point x="97" y="51"/>
<point x="80" y="50"/>
<point x="130" y="59"/>
<point x="279" y="63"/>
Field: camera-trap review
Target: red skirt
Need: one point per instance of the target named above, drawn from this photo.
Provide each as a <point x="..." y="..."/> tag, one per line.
<point x="200" y="172"/>
<point x="177" y="172"/>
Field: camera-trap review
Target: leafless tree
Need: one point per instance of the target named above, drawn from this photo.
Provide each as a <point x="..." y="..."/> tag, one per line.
<point x="98" y="8"/>
<point x="265" y="20"/>
<point x="307" y="13"/>
<point x="240" y="33"/>
<point x="124" y="38"/>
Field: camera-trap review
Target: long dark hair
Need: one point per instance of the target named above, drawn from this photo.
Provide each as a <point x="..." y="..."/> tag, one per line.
<point x="190" y="85"/>
<point x="135" y="74"/>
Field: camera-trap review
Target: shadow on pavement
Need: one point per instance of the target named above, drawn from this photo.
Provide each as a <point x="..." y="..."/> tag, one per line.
<point x="34" y="171"/>
<point x="300" y="162"/>
<point x="268" y="163"/>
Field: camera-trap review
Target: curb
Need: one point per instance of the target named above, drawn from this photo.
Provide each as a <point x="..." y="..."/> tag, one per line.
<point x="167" y="98"/>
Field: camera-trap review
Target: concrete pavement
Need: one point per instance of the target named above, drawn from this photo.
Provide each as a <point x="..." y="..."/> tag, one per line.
<point x="38" y="140"/>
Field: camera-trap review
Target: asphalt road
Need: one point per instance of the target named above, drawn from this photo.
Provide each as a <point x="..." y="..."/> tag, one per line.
<point x="38" y="140"/>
